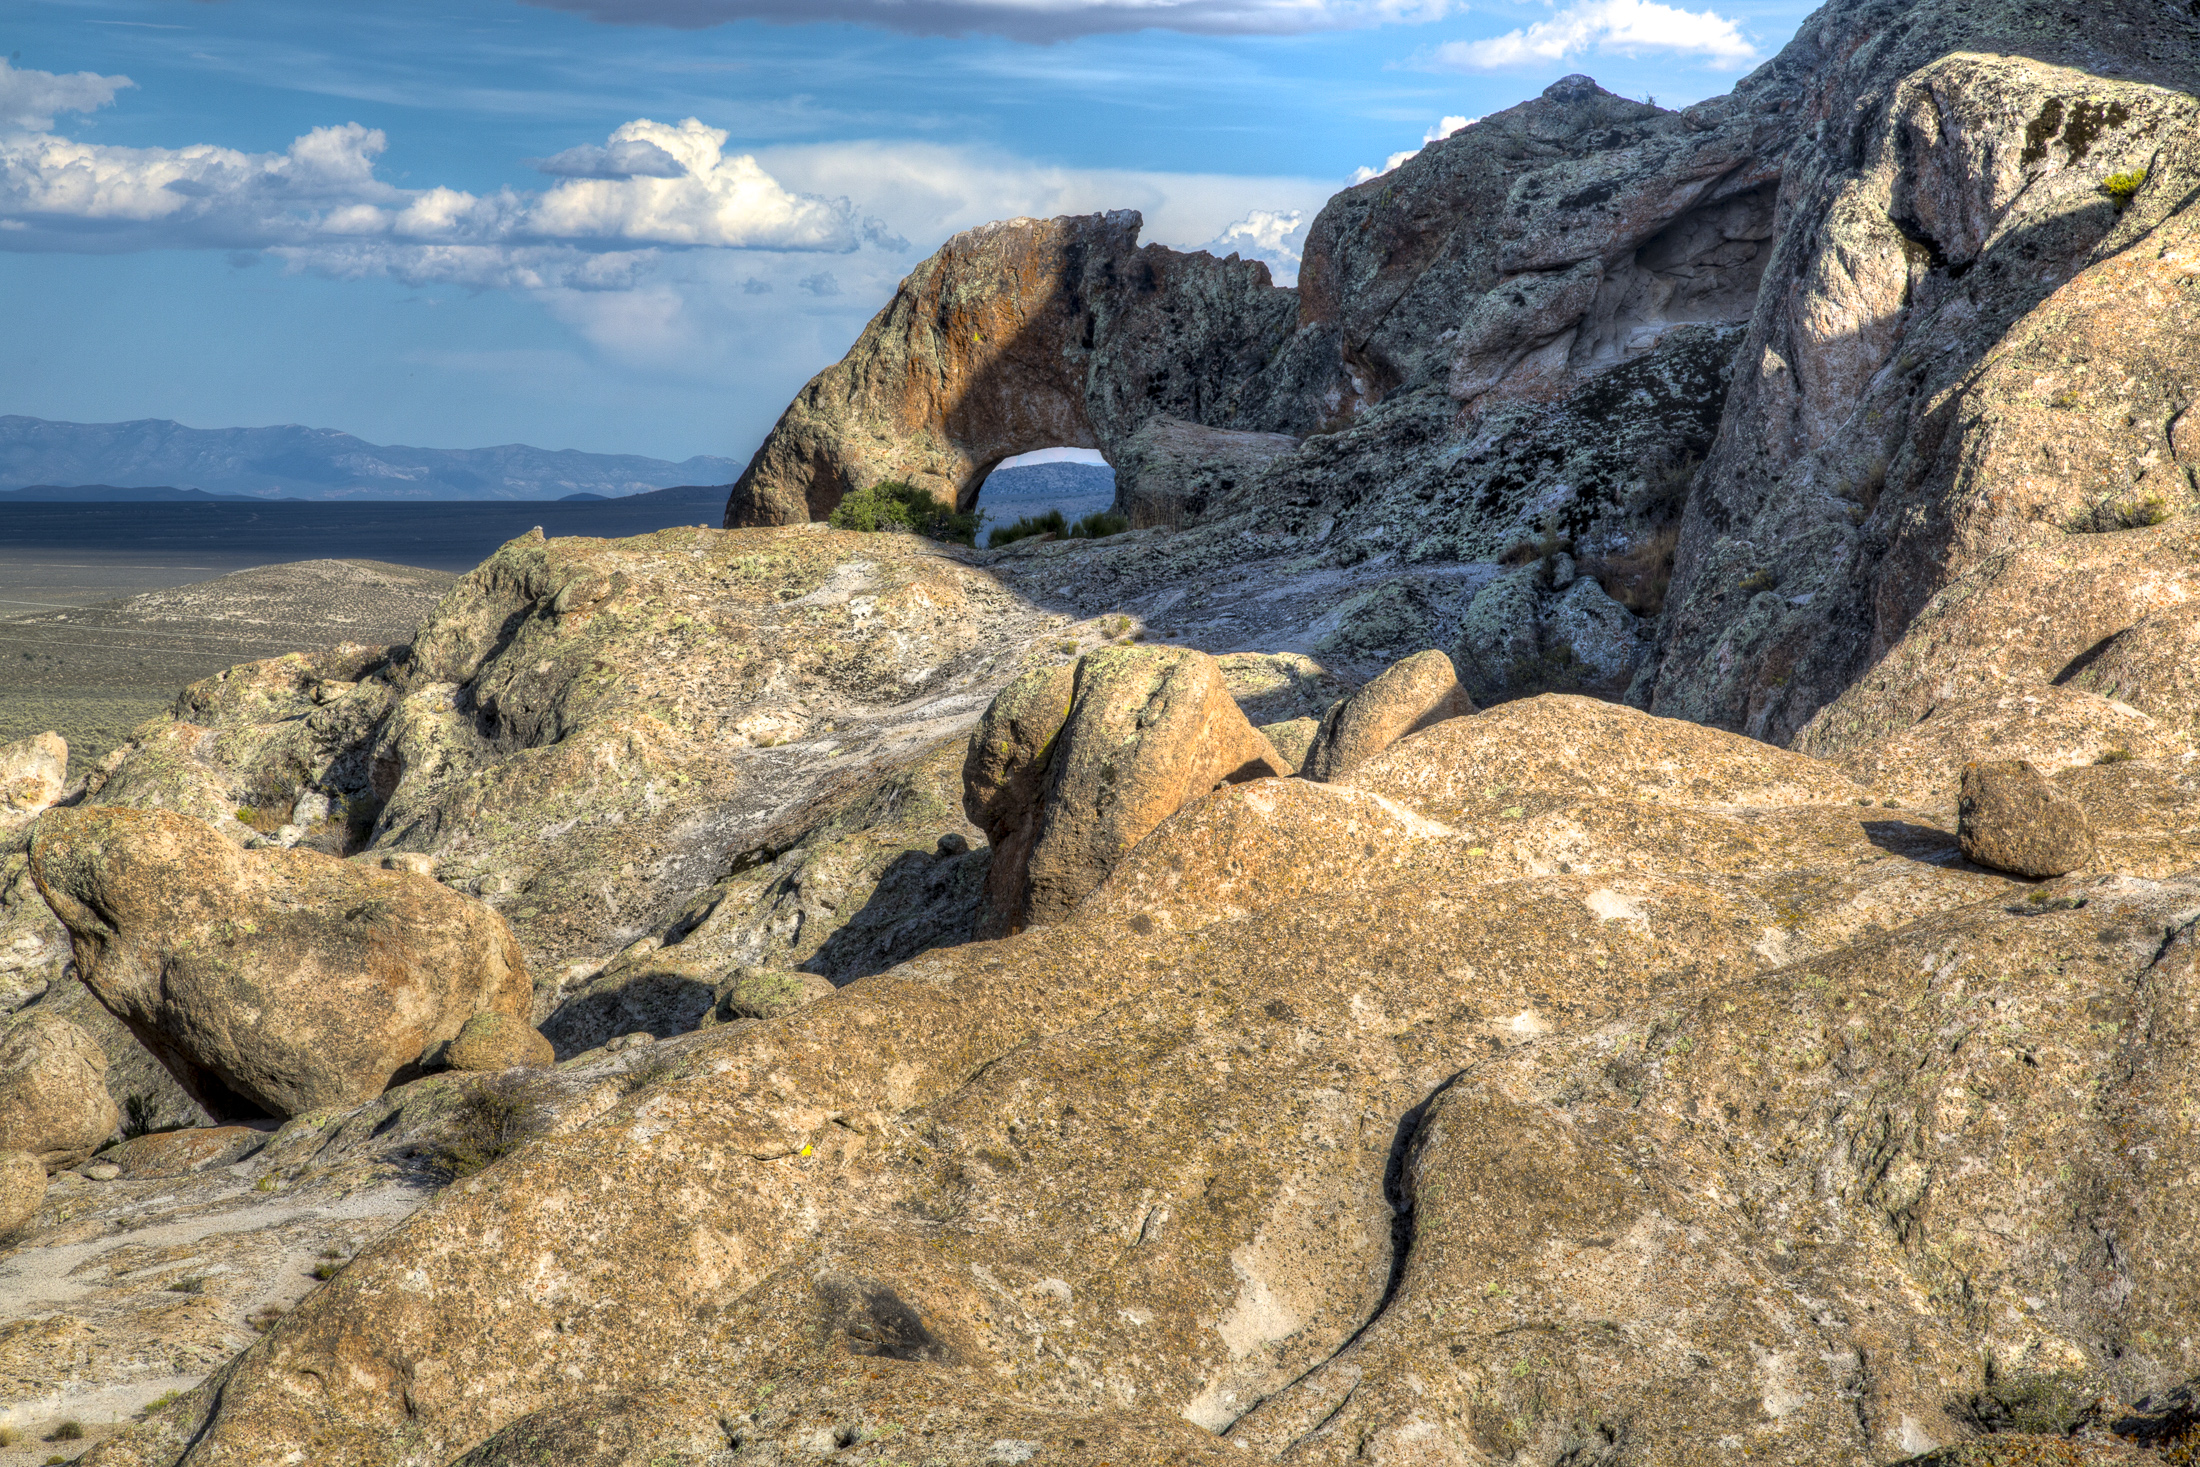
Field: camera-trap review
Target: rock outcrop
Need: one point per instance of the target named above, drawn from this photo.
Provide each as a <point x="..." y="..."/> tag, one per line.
<point x="22" y="1189"/>
<point x="1070" y="768"/>
<point x="53" y="1091"/>
<point x="1291" y="1142"/>
<point x="33" y="772"/>
<point x="2010" y="818"/>
<point x="1016" y="336"/>
<point x="269" y="982"/>
<point x="491" y="1040"/>
<point x="1408" y="696"/>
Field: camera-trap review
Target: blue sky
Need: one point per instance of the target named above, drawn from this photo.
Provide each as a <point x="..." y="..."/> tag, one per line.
<point x="639" y="225"/>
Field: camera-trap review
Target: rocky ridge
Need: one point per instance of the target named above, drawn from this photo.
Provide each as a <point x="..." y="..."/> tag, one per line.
<point x="1534" y="1080"/>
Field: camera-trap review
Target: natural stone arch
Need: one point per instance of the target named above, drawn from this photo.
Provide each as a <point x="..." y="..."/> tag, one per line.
<point x="1028" y="334"/>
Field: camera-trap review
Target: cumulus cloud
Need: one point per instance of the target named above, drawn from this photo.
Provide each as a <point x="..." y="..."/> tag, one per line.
<point x="1275" y="236"/>
<point x="29" y="99"/>
<point x="319" y="203"/>
<point x="1024" y="20"/>
<point x="1444" y="128"/>
<point x="621" y="158"/>
<point x="928" y="191"/>
<point x="1625" y="26"/>
<point x="822" y="283"/>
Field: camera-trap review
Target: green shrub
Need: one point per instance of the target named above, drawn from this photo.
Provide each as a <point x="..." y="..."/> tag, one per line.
<point x="1050" y="523"/>
<point x="898" y="506"/>
<point x="1099" y="526"/>
<point x="495" y="1117"/>
<point x="2120" y="186"/>
<point x="68" y="1431"/>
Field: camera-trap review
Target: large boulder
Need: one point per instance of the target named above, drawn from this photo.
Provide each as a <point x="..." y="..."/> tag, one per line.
<point x="270" y="981"/>
<point x="1970" y="365"/>
<point x="53" y="1091"/>
<point x="32" y="774"/>
<point x="2012" y="819"/>
<point x="1408" y="696"/>
<point x="1070" y="769"/>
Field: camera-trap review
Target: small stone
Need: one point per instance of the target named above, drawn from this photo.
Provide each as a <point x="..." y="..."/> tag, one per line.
<point x="22" y="1188"/>
<point x="102" y="1171"/>
<point x="494" y="1041"/>
<point x="413" y="861"/>
<point x="2010" y="818"/>
<point x="954" y="843"/>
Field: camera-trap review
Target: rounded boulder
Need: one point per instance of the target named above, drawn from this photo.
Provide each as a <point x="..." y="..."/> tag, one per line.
<point x="53" y="1091"/>
<point x="275" y="981"/>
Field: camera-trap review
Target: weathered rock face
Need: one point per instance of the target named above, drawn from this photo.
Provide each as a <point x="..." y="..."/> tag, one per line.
<point x="32" y="773"/>
<point x="22" y="1188"/>
<point x="1970" y="358"/>
<point x="2010" y="818"/>
<point x="1016" y="336"/>
<point x="53" y="1091"/>
<point x="1408" y="696"/>
<point x="269" y="982"/>
<point x="1292" y="1141"/>
<point x="1070" y="769"/>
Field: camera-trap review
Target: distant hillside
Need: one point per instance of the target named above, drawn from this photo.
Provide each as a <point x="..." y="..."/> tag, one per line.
<point x="1050" y="482"/>
<point x="113" y="494"/>
<point x="320" y="463"/>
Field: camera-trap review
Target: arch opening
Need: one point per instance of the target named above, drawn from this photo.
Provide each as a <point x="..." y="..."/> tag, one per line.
<point x="1021" y="491"/>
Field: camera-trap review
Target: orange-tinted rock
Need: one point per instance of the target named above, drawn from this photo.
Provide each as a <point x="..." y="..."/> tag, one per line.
<point x="1408" y="696"/>
<point x="179" y="1153"/>
<point x="53" y="1090"/>
<point x="1145" y="731"/>
<point x="274" y="981"/>
<point x="2012" y="819"/>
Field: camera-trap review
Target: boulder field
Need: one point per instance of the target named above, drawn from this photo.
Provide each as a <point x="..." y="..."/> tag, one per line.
<point x="1563" y="1081"/>
<point x="1609" y="875"/>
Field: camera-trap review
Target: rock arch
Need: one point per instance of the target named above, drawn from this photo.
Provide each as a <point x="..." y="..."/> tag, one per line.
<point x="1028" y="334"/>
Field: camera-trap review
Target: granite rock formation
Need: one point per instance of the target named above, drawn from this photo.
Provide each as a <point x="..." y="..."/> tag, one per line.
<point x="2011" y="818"/>
<point x="53" y="1091"/>
<point x="269" y="982"/>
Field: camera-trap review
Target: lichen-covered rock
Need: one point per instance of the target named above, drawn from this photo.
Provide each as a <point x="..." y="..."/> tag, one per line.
<point x="53" y="1091"/>
<point x="1529" y="755"/>
<point x="497" y="1041"/>
<point x="32" y="774"/>
<point x="1171" y="472"/>
<point x="1408" y="696"/>
<point x="759" y="993"/>
<point x="1291" y="739"/>
<point x="271" y="981"/>
<point x="1968" y="350"/>
<point x="1063" y="794"/>
<point x="2010" y="818"/>
<point x="22" y="1189"/>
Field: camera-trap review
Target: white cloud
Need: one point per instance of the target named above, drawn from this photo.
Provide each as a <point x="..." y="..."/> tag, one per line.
<point x="1051" y="456"/>
<point x="1444" y="128"/>
<point x="319" y="203"/>
<point x="1025" y="20"/>
<point x="1275" y="236"/>
<point x="929" y="191"/>
<point x="1625" y="26"/>
<point x="29" y="99"/>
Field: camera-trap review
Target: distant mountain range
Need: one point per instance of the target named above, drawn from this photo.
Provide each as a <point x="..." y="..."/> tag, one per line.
<point x="1051" y="482"/>
<point x="315" y="463"/>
